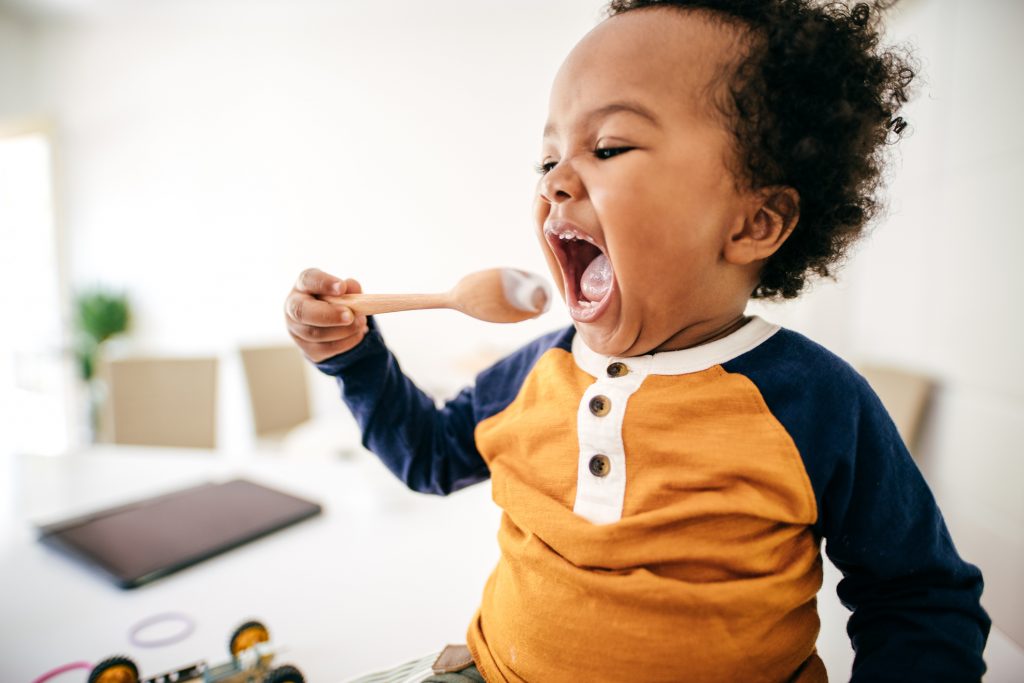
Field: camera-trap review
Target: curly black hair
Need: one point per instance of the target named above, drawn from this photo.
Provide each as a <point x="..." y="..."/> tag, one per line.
<point x="812" y="104"/>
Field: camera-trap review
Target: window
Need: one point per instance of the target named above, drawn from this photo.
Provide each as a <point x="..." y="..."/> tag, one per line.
<point x="36" y="379"/>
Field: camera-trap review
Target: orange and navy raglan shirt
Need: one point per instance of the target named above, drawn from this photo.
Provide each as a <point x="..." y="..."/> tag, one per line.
<point x="663" y="514"/>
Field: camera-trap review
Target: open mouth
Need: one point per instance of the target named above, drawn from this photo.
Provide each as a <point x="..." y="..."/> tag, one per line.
<point x="586" y="270"/>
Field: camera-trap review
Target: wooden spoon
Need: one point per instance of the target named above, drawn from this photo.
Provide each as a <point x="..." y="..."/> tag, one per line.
<point x="497" y="295"/>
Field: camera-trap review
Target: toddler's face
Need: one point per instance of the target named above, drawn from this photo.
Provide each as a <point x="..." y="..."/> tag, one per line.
<point x="637" y="198"/>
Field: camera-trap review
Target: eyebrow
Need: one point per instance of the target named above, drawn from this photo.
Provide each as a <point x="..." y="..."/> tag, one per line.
<point x="613" y="108"/>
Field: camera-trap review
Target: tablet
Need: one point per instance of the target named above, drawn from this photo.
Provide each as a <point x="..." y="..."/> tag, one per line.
<point x="142" y="541"/>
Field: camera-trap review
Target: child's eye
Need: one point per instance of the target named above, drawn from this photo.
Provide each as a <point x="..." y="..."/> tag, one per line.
<point x="609" y="152"/>
<point x="545" y="166"/>
<point x="600" y="153"/>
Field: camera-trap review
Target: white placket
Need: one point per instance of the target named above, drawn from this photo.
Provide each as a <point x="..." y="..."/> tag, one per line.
<point x="601" y="487"/>
<point x="600" y="491"/>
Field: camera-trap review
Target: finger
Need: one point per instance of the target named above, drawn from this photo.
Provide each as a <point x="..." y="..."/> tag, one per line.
<point x="316" y="281"/>
<point x="306" y="310"/>
<point x="352" y="287"/>
<point x="312" y="333"/>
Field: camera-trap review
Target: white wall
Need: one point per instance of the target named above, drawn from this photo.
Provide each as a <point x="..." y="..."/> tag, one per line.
<point x="215" y="148"/>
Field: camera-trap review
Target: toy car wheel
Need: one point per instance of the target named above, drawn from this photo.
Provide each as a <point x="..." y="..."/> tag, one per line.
<point x="115" y="670"/>
<point x="247" y="635"/>
<point x="285" y="674"/>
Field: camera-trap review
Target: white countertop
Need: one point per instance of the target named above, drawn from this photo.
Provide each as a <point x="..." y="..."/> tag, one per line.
<point x="383" y="576"/>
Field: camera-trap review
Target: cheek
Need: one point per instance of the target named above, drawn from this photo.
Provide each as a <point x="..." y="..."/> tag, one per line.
<point x="666" y="228"/>
<point x="644" y="226"/>
<point x="639" y="203"/>
<point x="662" y="264"/>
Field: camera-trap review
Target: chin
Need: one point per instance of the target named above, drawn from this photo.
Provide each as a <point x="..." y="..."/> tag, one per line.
<point x="607" y="342"/>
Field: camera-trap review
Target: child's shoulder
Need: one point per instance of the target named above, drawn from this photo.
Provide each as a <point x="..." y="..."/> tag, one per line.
<point x="497" y="385"/>
<point x="788" y="357"/>
<point x="820" y="399"/>
<point x="520" y="361"/>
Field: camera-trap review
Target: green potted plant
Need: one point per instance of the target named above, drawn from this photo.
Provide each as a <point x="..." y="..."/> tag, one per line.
<point x="99" y="315"/>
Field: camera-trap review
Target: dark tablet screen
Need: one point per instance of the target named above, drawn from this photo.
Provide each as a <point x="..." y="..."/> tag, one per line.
<point x="142" y="541"/>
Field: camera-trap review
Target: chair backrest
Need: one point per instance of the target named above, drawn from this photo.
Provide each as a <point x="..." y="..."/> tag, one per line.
<point x="278" y="391"/>
<point x="161" y="402"/>
<point x="904" y="394"/>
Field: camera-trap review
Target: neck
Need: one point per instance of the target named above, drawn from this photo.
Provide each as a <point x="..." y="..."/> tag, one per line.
<point x="703" y="332"/>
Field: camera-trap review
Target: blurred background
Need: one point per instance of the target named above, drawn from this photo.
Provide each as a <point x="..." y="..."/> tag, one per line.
<point x="167" y="169"/>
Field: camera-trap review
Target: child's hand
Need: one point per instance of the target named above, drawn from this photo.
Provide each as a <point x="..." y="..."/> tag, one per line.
<point x="322" y="329"/>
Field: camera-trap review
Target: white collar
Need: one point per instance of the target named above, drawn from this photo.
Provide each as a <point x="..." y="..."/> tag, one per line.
<point x="681" y="362"/>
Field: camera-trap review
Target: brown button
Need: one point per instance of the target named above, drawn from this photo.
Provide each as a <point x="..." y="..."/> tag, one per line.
<point x="617" y="369"/>
<point x="600" y="466"/>
<point x="600" y="405"/>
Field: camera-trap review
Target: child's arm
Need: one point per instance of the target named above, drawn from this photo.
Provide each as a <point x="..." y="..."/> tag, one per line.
<point x="431" y="449"/>
<point x="916" y="614"/>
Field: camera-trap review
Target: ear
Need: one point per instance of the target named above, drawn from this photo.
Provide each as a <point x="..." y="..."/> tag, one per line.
<point x="774" y="213"/>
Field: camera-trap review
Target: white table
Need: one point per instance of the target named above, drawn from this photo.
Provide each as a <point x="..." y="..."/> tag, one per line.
<point x="383" y="576"/>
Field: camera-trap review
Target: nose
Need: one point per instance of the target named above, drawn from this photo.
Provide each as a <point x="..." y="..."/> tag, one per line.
<point x="560" y="184"/>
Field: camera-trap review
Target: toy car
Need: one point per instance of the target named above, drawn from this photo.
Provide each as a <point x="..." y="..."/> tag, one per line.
<point x="251" y="657"/>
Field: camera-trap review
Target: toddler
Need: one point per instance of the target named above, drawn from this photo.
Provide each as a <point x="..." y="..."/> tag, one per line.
<point x="668" y="467"/>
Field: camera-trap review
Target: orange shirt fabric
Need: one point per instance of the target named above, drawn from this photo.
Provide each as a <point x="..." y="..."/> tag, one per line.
<point x="663" y="514"/>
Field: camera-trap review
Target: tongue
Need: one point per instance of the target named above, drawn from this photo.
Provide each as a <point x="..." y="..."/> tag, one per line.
<point x="596" y="280"/>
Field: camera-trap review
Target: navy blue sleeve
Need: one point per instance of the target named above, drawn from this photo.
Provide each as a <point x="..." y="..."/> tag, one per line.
<point x="431" y="449"/>
<point x="915" y="602"/>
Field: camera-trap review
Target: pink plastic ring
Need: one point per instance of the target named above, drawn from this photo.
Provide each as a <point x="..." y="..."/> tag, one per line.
<point x="53" y="673"/>
<point x="187" y="626"/>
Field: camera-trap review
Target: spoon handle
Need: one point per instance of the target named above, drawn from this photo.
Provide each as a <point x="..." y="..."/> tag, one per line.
<point x="372" y="304"/>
